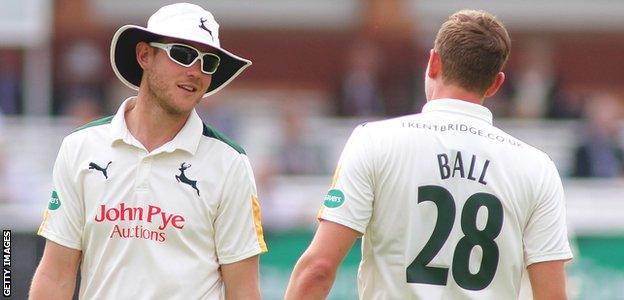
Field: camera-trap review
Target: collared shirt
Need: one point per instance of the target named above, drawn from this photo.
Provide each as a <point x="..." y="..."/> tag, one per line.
<point x="450" y="207"/>
<point x="153" y="225"/>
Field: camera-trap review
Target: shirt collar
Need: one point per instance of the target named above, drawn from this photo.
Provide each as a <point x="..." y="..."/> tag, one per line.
<point x="459" y="107"/>
<point x="187" y="139"/>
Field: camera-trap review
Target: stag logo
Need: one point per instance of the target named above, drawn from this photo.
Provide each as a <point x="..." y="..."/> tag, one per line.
<point x="182" y="177"/>
<point x="93" y="166"/>
<point x="203" y="26"/>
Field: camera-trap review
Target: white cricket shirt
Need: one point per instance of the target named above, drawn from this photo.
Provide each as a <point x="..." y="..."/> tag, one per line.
<point x="153" y="225"/>
<point x="450" y="206"/>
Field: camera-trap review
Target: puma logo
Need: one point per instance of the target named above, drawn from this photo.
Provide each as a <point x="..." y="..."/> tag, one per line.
<point x="182" y="177"/>
<point x="203" y="26"/>
<point x="93" y="165"/>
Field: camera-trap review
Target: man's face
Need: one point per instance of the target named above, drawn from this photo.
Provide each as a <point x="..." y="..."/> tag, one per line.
<point x="175" y="88"/>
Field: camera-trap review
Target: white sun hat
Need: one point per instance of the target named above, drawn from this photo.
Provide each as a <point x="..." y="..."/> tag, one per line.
<point x="183" y="21"/>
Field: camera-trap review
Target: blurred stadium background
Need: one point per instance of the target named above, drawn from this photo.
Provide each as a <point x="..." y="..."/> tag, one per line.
<point x="320" y="68"/>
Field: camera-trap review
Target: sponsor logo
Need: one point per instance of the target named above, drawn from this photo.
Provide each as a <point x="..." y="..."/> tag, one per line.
<point x="55" y="202"/>
<point x="334" y="198"/>
<point x="151" y="215"/>
<point x="94" y="166"/>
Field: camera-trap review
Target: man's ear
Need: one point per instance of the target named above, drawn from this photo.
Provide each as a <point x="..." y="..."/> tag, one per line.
<point x="434" y="65"/>
<point x="143" y="54"/>
<point x="498" y="82"/>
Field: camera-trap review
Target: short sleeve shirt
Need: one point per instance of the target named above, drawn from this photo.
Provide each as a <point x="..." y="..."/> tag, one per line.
<point x="450" y="207"/>
<point x="153" y="225"/>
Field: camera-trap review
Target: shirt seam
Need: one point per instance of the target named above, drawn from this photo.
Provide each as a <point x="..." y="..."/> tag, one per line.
<point x="54" y="237"/>
<point x="342" y="221"/>
<point x="238" y="257"/>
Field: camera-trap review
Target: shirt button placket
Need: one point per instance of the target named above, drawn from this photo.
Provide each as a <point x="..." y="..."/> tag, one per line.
<point x="143" y="172"/>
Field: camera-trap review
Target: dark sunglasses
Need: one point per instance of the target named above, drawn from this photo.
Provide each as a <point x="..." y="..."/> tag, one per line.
<point x="186" y="56"/>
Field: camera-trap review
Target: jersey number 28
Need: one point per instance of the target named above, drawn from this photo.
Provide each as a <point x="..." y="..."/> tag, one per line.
<point x="419" y="271"/>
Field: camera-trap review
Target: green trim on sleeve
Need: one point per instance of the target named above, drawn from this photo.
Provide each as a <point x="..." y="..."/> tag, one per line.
<point x="213" y="133"/>
<point x="98" y="122"/>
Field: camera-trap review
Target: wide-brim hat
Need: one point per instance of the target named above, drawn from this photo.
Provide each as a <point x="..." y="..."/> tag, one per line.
<point x="182" y="21"/>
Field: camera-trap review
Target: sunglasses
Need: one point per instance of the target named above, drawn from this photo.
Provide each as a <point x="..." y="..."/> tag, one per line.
<point x="186" y="56"/>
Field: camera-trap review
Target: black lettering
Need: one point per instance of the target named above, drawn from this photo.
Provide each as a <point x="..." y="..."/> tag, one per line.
<point x="445" y="170"/>
<point x="482" y="178"/>
<point x="473" y="161"/>
<point x="459" y="165"/>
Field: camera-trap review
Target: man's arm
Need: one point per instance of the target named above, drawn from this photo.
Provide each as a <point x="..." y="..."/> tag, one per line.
<point x="314" y="274"/>
<point x="241" y="279"/>
<point x="548" y="280"/>
<point x="55" y="277"/>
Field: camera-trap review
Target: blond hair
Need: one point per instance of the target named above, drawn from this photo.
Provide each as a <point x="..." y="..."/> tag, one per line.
<point x="473" y="47"/>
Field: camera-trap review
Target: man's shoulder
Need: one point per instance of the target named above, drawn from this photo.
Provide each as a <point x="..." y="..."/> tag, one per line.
<point x="95" y="130"/>
<point x="213" y="134"/>
<point x="522" y="146"/>
<point x="95" y="123"/>
<point x="390" y="123"/>
<point x="87" y="139"/>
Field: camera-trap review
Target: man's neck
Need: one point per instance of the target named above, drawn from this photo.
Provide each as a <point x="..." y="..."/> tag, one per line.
<point x="151" y="125"/>
<point x="454" y="92"/>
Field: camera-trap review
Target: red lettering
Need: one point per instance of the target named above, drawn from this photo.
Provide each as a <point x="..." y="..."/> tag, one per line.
<point x="114" y="212"/>
<point x="177" y="221"/>
<point x="115" y="230"/>
<point x="165" y="220"/>
<point x="172" y="219"/>
<point x="129" y="213"/>
<point x="126" y="210"/>
<point x="145" y="234"/>
<point x="152" y="211"/>
<point x="138" y="211"/>
<point x="101" y="218"/>
<point x="136" y="230"/>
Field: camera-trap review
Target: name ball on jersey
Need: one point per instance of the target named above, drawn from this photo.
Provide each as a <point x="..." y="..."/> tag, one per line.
<point x="458" y="168"/>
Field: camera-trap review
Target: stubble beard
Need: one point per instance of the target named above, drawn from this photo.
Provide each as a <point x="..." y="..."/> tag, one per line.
<point x="162" y="97"/>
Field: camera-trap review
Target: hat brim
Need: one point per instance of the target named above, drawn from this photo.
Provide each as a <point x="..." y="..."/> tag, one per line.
<point x="128" y="70"/>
